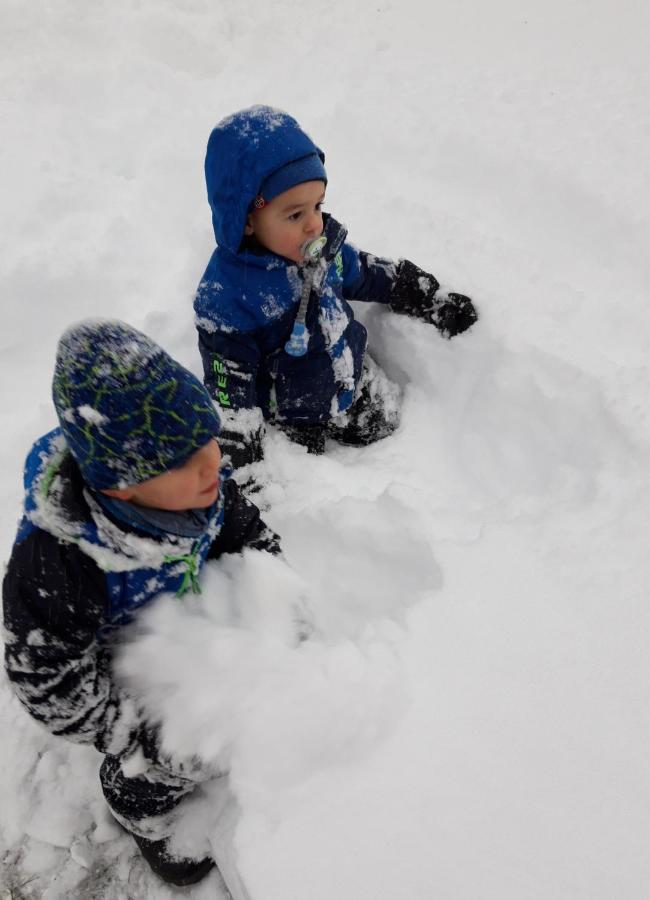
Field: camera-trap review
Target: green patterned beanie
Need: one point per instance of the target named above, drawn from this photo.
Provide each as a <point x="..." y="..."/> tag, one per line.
<point x="128" y="411"/>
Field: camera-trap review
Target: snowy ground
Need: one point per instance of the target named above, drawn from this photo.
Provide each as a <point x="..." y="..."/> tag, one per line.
<point x="471" y="719"/>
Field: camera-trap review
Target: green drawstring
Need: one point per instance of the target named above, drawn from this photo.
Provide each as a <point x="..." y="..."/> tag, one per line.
<point x="191" y="576"/>
<point x="52" y="469"/>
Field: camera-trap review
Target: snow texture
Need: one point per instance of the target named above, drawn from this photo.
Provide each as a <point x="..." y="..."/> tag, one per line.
<point x="469" y="718"/>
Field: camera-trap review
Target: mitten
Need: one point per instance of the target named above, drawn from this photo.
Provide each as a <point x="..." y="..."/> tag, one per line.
<point x="242" y="448"/>
<point x="416" y="293"/>
<point x="242" y="436"/>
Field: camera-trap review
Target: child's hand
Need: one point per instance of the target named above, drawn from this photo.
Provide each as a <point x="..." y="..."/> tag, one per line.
<point x="416" y="293"/>
<point x="453" y="314"/>
<point x="242" y="448"/>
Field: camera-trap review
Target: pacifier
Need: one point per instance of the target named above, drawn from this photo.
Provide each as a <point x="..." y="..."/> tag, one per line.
<point x="311" y="250"/>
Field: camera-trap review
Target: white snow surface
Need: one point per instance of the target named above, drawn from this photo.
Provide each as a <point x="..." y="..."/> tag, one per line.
<point x="470" y="717"/>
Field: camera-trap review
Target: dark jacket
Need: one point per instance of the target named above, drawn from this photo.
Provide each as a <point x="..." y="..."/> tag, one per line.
<point x="76" y="575"/>
<point x="245" y="308"/>
<point x="248" y="297"/>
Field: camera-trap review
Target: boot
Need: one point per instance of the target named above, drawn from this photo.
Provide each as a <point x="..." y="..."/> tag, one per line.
<point x="179" y="870"/>
<point x="310" y="436"/>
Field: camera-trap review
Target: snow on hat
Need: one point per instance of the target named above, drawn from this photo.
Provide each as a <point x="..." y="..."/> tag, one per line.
<point x="307" y="168"/>
<point x="127" y="410"/>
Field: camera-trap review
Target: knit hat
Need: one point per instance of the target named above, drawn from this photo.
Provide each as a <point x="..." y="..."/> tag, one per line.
<point x="307" y="168"/>
<point x="127" y="410"/>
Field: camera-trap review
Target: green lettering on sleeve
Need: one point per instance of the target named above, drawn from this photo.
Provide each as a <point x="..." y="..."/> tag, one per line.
<point x="222" y="381"/>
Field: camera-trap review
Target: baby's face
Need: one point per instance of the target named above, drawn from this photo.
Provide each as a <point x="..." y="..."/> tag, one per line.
<point x="194" y="485"/>
<point x="290" y="219"/>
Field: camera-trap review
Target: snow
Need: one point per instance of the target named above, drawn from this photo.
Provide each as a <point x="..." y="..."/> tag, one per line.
<point x="469" y="717"/>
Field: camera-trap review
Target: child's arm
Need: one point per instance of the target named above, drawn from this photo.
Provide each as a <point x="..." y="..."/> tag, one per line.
<point x="230" y="364"/>
<point x="242" y="526"/>
<point x="367" y="277"/>
<point x="406" y="289"/>
<point x="54" y="600"/>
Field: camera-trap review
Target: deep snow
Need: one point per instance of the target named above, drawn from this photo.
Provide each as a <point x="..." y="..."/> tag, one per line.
<point x="470" y="718"/>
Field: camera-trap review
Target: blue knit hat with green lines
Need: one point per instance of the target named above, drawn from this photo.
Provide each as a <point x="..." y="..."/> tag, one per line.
<point x="127" y="410"/>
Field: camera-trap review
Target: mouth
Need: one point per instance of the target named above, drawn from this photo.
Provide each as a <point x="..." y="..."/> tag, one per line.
<point x="211" y="488"/>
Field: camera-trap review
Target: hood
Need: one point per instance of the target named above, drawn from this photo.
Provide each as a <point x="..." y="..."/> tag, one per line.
<point x="243" y="150"/>
<point x="58" y="502"/>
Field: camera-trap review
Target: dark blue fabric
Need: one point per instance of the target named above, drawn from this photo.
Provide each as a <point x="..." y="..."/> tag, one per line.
<point x="128" y="410"/>
<point x="309" y="168"/>
<point x="248" y="297"/>
<point x="245" y="308"/>
<point x="158" y="522"/>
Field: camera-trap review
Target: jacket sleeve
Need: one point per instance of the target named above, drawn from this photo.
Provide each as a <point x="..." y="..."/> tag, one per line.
<point x="242" y="526"/>
<point x="367" y="277"/>
<point x="230" y="364"/>
<point x="406" y="289"/>
<point x="54" y="598"/>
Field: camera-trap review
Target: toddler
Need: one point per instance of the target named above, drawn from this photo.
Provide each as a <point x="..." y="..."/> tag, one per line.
<point x="126" y="499"/>
<point x="277" y="336"/>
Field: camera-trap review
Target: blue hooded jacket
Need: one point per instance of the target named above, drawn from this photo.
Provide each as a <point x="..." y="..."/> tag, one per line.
<point x="248" y="297"/>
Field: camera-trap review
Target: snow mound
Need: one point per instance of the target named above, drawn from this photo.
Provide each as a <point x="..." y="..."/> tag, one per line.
<point x="229" y="678"/>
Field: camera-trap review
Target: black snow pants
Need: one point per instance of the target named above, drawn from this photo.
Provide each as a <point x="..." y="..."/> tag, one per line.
<point x="374" y="414"/>
<point x="144" y="804"/>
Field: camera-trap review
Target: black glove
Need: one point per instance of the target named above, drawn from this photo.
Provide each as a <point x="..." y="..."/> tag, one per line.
<point x="241" y="448"/>
<point x="416" y="293"/>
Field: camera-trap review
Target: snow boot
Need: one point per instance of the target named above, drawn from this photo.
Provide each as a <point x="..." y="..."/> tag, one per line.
<point x="178" y="870"/>
<point x="310" y="436"/>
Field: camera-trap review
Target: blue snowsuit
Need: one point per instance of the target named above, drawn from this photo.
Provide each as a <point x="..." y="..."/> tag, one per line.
<point x="247" y="299"/>
<point x="75" y="576"/>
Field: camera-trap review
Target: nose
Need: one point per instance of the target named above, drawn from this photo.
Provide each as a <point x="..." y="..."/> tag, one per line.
<point x="313" y="224"/>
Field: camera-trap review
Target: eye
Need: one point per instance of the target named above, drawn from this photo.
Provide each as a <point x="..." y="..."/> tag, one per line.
<point x="295" y="216"/>
<point x="319" y="205"/>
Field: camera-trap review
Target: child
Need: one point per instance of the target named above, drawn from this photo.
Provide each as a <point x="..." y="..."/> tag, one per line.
<point x="278" y="339"/>
<point x="124" y="501"/>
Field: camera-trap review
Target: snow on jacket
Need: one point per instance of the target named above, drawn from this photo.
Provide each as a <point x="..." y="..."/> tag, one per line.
<point x="248" y="297"/>
<point x="75" y="576"/>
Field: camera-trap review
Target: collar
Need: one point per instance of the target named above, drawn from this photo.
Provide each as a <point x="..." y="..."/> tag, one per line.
<point x="157" y="522"/>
